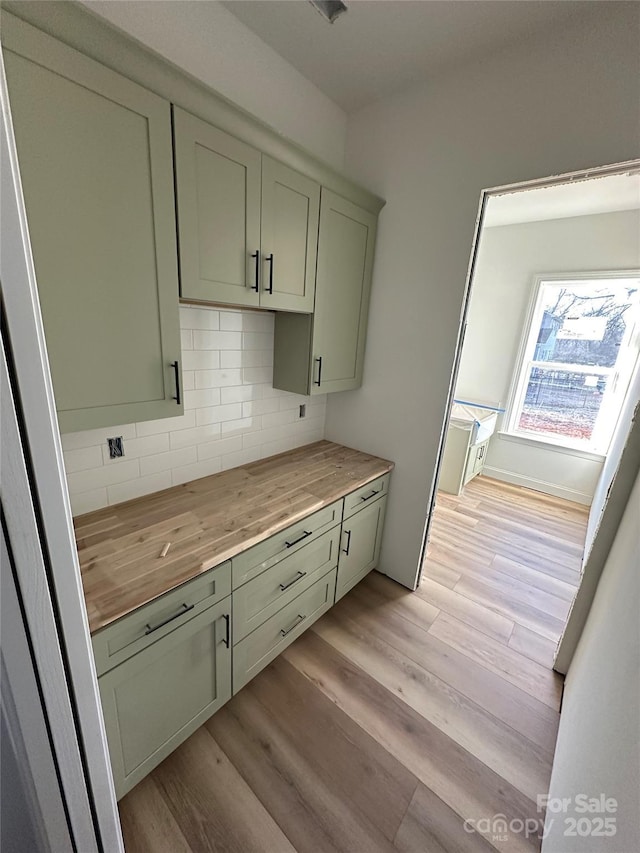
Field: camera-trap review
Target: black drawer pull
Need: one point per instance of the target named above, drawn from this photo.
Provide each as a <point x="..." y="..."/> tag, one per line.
<point x="295" y="625"/>
<point x="256" y="255"/>
<point x="269" y="260"/>
<point x="346" y="550"/>
<point x="184" y="609"/>
<point x="318" y="381"/>
<point x="297" y="578"/>
<point x="372" y="495"/>
<point x="227" y="635"/>
<point x="299" y="539"/>
<point x="176" y="367"/>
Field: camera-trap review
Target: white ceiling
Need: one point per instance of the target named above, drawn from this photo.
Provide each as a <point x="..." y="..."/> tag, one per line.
<point x="379" y="47"/>
<point x="580" y="198"/>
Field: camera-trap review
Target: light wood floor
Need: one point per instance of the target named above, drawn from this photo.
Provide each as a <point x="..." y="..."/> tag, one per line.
<point x="397" y="716"/>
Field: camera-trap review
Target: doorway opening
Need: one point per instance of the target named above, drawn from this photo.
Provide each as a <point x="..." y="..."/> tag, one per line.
<point x="545" y="384"/>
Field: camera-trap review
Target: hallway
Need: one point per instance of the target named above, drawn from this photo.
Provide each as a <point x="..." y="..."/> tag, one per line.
<point x="398" y="716"/>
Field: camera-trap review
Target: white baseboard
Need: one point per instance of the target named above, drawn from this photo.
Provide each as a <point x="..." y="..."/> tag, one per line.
<point x="538" y="485"/>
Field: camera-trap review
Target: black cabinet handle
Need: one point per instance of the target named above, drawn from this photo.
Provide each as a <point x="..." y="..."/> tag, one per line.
<point x="256" y="255"/>
<point x="300" y="619"/>
<point x="184" y="609"/>
<point x="346" y="550"/>
<point x="319" y="379"/>
<point x="372" y="495"/>
<point x="227" y="635"/>
<point x="299" y="539"/>
<point x="176" y="367"/>
<point x="297" y="578"/>
<point x="269" y="260"/>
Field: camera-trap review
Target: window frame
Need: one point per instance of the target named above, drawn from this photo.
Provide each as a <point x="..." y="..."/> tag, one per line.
<point x="597" y="445"/>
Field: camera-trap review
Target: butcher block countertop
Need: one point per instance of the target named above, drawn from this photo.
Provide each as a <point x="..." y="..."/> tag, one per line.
<point x="207" y="521"/>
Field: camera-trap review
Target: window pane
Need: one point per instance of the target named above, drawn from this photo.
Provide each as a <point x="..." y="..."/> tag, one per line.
<point x="584" y="322"/>
<point x="563" y="403"/>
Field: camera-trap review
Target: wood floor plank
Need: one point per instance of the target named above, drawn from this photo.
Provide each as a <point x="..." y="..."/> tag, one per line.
<point x="211" y="803"/>
<point x="508" y="703"/>
<point x="352" y="764"/>
<point x="534" y="577"/>
<point x="147" y="822"/>
<point x="390" y="598"/>
<point x="508" y="753"/>
<point x="456" y="776"/>
<point x="466" y="609"/>
<point x="533" y="646"/>
<point x="530" y="676"/>
<point x="431" y="826"/>
<point x="313" y="813"/>
<point x="441" y="573"/>
<point x="504" y="602"/>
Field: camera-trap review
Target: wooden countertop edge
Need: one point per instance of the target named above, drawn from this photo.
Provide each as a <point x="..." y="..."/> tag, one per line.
<point x="99" y="621"/>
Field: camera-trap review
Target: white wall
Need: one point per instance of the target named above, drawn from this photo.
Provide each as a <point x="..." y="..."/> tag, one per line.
<point x="232" y="416"/>
<point x="508" y="259"/>
<point x="598" y="747"/>
<point x="560" y="102"/>
<point x="207" y="41"/>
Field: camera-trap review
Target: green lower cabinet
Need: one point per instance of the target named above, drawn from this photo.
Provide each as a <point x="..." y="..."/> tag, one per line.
<point x="156" y="699"/>
<point x="361" y="540"/>
<point x="257" y="650"/>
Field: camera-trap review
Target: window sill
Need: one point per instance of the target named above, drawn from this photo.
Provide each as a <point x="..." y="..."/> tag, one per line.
<point x="552" y="445"/>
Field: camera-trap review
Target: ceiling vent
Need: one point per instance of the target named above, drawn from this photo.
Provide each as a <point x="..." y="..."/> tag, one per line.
<point x="329" y="9"/>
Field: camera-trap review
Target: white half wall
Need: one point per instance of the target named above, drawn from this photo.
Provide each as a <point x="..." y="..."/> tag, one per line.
<point x="209" y="42"/>
<point x="508" y="259"/>
<point x="598" y="748"/>
<point x="559" y="102"/>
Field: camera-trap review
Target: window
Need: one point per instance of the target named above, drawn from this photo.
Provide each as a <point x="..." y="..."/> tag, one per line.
<point x="580" y="349"/>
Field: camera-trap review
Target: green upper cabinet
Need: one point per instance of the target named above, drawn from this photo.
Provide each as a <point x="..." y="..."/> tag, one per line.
<point x="218" y="202"/>
<point x="290" y="209"/>
<point x="324" y="353"/>
<point x="96" y="164"/>
<point x="248" y="225"/>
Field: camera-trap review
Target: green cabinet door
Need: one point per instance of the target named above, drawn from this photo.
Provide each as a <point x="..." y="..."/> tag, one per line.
<point x="290" y="209"/>
<point x="218" y="203"/>
<point x="96" y="164"/>
<point x="153" y="701"/>
<point x="324" y="353"/>
<point x="361" y="540"/>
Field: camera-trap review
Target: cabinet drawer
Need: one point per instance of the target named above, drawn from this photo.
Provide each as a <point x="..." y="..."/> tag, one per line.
<point x="261" y="557"/>
<point x="371" y="492"/>
<point x="129" y="635"/>
<point x="261" y="646"/>
<point x="265" y="595"/>
<point x="156" y="699"/>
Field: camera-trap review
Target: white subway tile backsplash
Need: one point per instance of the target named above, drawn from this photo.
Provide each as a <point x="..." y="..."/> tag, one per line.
<point x="232" y="416"/>
<point x="240" y="394"/>
<point x="167" y="461"/>
<point x="82" y="458"/>
<point x="141" y="486"/>
<point x="201" y="397"/>
<point x="82" y="502"/>
<point x="208" y="359"/>
<point x="220" y="447"/>
<point x="199" y="318"/>
<point x="218" y="378"/>
<point x="192" y="437"/>
<point x="105" y="475"/>
<point x="217" y="340"/>
<point x="217" y="414"/>
<point x="91" y="437"/>
<point x="202" y="468"/>
<point x="167" y="424"/>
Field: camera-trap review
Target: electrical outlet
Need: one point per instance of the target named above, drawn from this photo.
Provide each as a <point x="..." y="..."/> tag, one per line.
<point x="303" y="410"/>
<point x="116" y="447"/>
